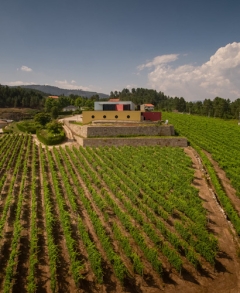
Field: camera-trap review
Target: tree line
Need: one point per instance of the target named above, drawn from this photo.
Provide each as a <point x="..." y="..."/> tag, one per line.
<point x="17" y="97"/>
<point x="218" y="107"/>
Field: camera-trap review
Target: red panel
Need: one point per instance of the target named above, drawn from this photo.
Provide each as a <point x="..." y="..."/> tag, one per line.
<point x="152" y="116"/>
<point x="119" y="107"/>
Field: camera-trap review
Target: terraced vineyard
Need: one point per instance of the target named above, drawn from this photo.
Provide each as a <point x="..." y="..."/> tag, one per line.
<point x="109" y="220"/>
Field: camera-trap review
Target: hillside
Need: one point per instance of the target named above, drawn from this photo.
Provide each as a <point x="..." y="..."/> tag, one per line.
<point x="53" y="90"/>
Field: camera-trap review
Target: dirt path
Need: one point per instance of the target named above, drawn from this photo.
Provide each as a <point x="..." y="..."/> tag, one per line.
<point x="226" y="277"/>
<point x="230" y="191"/>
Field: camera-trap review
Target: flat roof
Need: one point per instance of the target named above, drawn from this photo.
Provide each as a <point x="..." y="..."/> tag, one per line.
<point x="120" y="102"/>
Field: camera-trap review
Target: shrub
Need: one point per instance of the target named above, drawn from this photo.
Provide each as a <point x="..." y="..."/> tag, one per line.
<point x="49" y="138"/>
<point x="27" y="126"/>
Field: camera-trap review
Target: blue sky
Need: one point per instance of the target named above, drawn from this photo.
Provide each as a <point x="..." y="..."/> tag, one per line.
<point x="182" y="48"/>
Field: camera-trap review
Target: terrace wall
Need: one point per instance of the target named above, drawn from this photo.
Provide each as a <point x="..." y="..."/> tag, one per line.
<point x="106" y="131"/>
<point x="97" y="142"/>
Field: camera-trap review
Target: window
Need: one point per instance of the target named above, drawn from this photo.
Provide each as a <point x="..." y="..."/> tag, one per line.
<point x="128" y="116"/>
<point x="116" y="116"/>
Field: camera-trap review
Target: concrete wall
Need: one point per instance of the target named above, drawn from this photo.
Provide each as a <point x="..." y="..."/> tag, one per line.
<point x="97" y="142"/>
<point x="88" y="116"/>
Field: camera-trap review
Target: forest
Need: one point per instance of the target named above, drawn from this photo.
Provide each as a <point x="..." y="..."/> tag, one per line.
<point x="218" y="107"/>
<point x="17" y="97"/>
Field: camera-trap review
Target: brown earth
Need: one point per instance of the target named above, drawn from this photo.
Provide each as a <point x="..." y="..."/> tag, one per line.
<point x="226" y="277"/>
<point x="226" y="183"/>
<point x="17" y="114"/>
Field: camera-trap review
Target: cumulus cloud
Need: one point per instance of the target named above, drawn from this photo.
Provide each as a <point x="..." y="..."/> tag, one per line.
<point x="26" y="69"/>
<point x="70" y="85"/>
<point x="217" y="77"/>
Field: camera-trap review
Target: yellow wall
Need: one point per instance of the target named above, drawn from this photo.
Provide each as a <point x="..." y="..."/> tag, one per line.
<point x="87" y="116"/>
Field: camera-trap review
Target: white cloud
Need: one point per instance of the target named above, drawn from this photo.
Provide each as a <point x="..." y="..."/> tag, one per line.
<point x="71" y="85"/>
<point x="18" y="83"/>
<point x="217" y="77"/>
<point x="130" y="86"/>
<point x="26" y="69"/>
<point x="159" y="60"/>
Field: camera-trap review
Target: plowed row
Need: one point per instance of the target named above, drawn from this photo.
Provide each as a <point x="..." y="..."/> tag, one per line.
<point x="110" y="220"/>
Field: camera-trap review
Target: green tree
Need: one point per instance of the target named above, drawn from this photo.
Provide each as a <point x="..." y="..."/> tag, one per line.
<point x="54" y="127"/>
<point x="54" y="112"/>
<point x="42" y="118"/>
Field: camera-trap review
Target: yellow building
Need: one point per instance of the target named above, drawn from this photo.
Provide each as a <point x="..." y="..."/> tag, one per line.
<point x="89" y="116"/>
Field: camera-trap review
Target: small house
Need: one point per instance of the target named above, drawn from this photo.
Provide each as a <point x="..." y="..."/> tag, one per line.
<point x="70" y="108"/>
<point x="147" y="107"/>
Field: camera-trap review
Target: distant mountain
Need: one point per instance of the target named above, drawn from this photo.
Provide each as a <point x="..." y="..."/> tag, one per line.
<point x="55" y="91"/>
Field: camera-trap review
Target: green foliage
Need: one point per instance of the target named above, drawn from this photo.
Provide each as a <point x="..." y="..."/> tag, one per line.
<point x="18" y="97"/>
<point x="54" y="127"/>
<point x="28" y="126"/>
<point x="54" y="112"/>
<point x="49" y="138"/>
<point x="42" y="118"/>
<point x="221" y="139"/>
<point x="138" y="208"/>
<point x="62" y="101"/>
<point x="219" y="107"/>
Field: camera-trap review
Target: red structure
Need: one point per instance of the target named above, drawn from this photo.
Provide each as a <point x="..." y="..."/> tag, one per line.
<point x="119" y="107"/>
<point x="151" y="116"/>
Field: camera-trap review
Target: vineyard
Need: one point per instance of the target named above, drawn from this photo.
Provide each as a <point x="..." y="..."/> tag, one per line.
<point x="109" y="219"/>
<point x="220" y="139"/>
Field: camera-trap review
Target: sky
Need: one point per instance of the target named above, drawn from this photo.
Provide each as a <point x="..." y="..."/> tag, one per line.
<point x="184" y="48"/>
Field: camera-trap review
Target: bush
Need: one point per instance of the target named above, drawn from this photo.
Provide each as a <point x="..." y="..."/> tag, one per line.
<point x="27" y="126"/>
<point x="49" y="138"/>
<point x="42" y="118"/>
<point x="54" y="127"/>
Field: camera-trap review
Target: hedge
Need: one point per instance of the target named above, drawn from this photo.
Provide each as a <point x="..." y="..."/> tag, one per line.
<point x="27" y="126"/>
<point x="49" y="139"/>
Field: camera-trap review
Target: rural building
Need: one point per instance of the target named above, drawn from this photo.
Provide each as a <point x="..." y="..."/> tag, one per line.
<point x="70" y="108"/>
<point x="115" y="110"/>
<point x="88" y="116"/>
<point x="114" y="106"/>
<point x="147" y="107"/>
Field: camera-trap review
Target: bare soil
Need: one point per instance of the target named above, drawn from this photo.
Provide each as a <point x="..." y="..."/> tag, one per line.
<point x="226" y="183"/>
<point x="226" y="277"/>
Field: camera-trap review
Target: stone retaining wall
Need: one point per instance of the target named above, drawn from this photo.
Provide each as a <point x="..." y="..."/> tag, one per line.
<point x="97" y="142"/>
<point x="106" y="131"/>
<point x="103" y="131"/>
